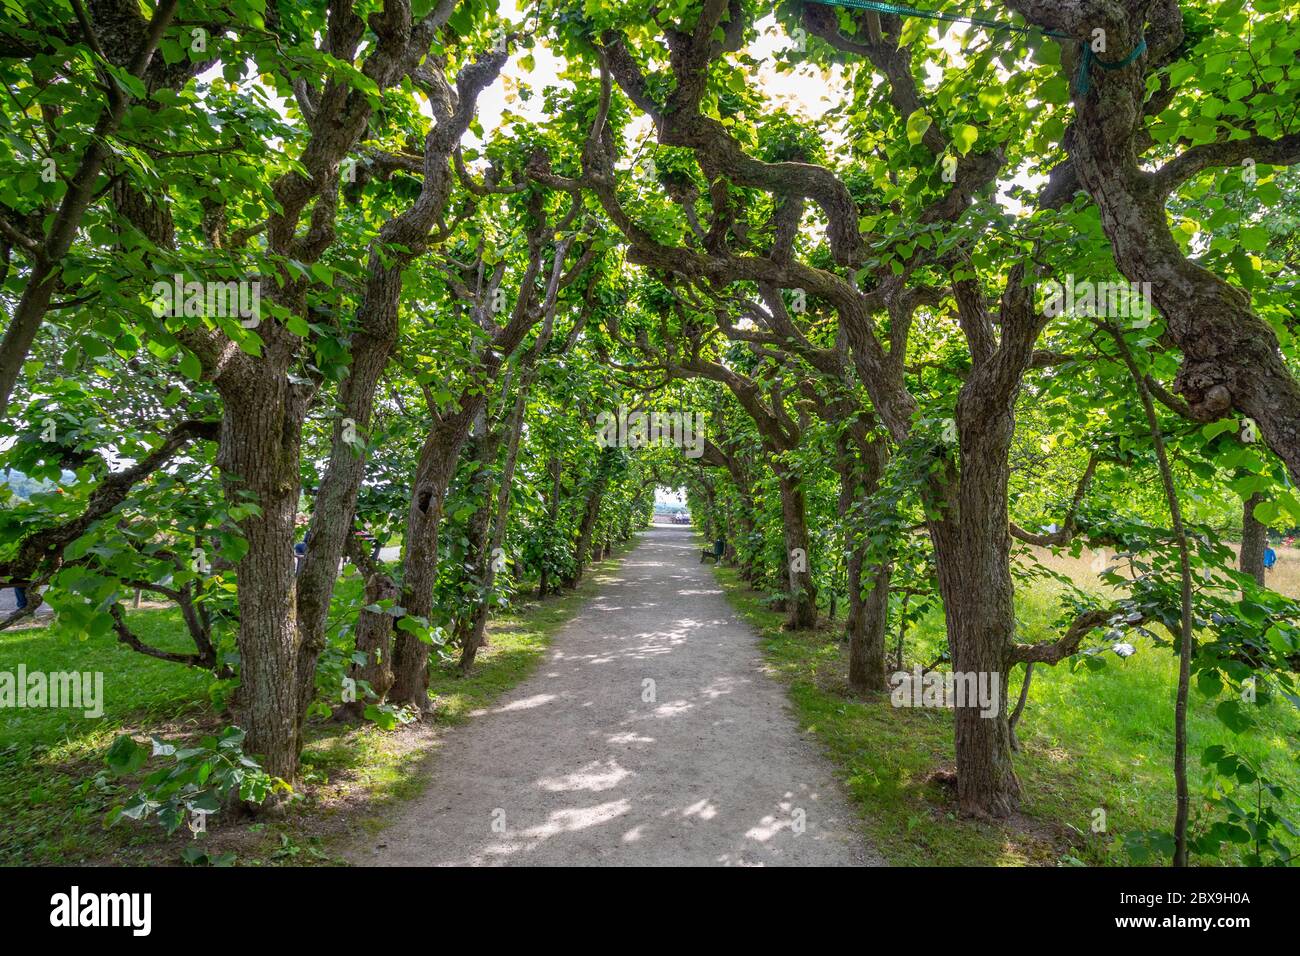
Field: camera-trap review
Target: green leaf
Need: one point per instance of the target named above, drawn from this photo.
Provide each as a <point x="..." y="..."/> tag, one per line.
<point x="1233" y="715"/>
<point x="125" y="756"/>
<point x="191" y="367"/>
<point x="917" y="124"/>
<point x="1266" y="512"/>
<point x="1254" y="238"/>
<point x="964" y="136"/>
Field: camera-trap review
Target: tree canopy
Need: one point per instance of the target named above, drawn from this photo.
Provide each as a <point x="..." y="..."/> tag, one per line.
<point x="995" y="283"/>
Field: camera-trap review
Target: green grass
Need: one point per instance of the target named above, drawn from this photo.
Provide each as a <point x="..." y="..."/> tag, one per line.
<point x="54" y="794"/>
<point x="134" y="685"/>
<point x="1091" y="739"/>
<point x="49" y="758"/>
<point x="517" y="641"/>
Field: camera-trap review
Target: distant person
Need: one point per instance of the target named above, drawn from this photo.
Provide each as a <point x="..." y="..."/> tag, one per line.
<point x="1270" y="558"/>
<point x="20" y="598"/>
<point x="300" y="551"/>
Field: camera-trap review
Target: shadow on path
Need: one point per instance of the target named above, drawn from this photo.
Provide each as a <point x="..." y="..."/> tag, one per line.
<point x="649" y="735"/>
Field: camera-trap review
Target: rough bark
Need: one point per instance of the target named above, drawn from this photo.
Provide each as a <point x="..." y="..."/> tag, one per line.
<point x="972" y="547"/>
<point x="970" y="528"/>
<point x="260" y="435"/>
<point x="1254" y="539"/>
<point x="1231" y="358"/>
<point x="868" y="619"/>
<point x="868" y="615"/>
<point x="374" y="635"/>
<point x="803" y="591"/>
<point x="433" y="475"/>
<point x="336" y="498"/>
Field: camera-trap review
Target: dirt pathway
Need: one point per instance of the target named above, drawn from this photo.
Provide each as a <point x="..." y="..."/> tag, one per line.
<point x="585" y="762"/>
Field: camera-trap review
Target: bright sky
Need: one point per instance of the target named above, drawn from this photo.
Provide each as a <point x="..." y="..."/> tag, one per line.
<point x="807" y="91"/>
<point x="665" y="497"/>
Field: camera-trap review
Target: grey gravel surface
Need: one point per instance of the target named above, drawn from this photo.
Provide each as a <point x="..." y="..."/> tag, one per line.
<point x="586" y="762"/>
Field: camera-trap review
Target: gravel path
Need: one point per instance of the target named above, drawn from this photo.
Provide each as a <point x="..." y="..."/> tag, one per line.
<point x="586" y="763"/>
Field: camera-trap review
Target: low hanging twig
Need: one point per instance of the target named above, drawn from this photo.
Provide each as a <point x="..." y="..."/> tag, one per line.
<point x="1185" y="569"/>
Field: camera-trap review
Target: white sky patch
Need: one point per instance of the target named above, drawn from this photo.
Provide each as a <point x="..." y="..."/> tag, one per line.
<point x="667" y="496"/>
<point x="808" y="91"/>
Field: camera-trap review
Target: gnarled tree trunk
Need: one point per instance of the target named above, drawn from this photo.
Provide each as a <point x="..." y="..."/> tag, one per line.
<point x="1254" y="539"/>
<point x="258" y="458"/>
<point x="433" y="475"/>
<point x="860" y="469"/>
<point x="972" y="553"/>
<point x="374" y="636"/>
<point x="803" y="592"/>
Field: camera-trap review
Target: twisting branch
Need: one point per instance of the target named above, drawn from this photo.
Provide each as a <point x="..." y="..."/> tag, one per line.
<point x="1283" y="151"/>
<point x="46" y="545"/>
<point x="126" y="636"/>
<point x="1053" y="652"/>
<point x="1065" y="534"/>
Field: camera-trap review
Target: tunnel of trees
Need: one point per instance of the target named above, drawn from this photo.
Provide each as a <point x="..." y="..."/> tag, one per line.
<point x="271" y="279"/>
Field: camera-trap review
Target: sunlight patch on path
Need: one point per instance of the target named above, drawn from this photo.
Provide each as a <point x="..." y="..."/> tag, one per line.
<point x="655" y="701"/>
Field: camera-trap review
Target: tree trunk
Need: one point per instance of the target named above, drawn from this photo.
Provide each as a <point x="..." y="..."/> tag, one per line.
<point x="258" y="458"/>
<point x="978" y="611"/>
<point x="374" y="639"/>
<point x="861" y="463"/>
<point x="803" y="592"/>
<point x="590" y="512"/>
<point x="478" y="633"/>
<point x="556" y="468"/>
<point x="1014" y="720"/>
<point x="746" y="564"/>
<point x="335" y="504"/>
<point x="972" y="553"/>
<point x="1254" y="539"/>
<point x="492" y="528"/>
<point x="868" y="619"/>
<point x="1230" y="356"/>
<point x="433" y="475"/>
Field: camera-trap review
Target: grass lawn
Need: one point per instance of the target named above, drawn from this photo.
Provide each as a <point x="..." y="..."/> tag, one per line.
<point x="55" y="792"/>
<point x="1091" y="739"/>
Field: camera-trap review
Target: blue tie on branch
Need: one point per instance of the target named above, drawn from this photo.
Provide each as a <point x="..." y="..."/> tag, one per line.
<point x="904" y="11"/>
<point x="1086" y="56"/>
